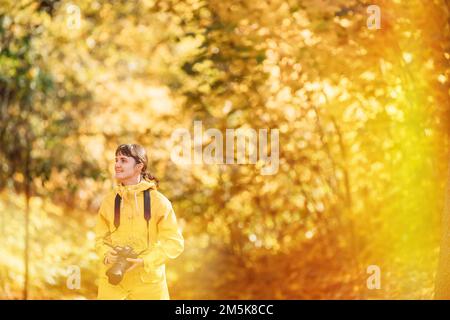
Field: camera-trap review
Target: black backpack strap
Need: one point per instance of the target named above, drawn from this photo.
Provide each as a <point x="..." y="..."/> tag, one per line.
<point x="147" y="205"/>
<point x="147" y="210"/>
<point x="117" y="210"/>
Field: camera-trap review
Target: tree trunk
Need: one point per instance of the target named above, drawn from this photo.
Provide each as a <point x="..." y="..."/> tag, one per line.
<point x="27" y="218"/>
<point x="442" y="287"/>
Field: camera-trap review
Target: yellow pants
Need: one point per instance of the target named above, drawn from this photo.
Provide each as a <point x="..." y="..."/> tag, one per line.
<point x="132" y="288"/>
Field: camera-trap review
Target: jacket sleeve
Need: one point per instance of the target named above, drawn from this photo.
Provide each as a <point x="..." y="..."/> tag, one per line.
<point x="170" y="242"/>
<point x="102" y="233"/>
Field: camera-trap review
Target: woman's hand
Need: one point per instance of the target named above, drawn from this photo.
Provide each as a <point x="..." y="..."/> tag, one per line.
<point x="135" y="263"/>
<point x="111" y="257"/>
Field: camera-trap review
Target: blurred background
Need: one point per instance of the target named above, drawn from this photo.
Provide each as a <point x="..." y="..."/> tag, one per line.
<point x="363" y="116"/>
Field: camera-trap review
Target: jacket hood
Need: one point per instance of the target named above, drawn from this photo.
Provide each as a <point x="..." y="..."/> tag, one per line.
<point x="125" y="191"/>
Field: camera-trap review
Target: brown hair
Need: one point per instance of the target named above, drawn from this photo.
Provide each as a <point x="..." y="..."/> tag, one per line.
<point x="137" y="152"/>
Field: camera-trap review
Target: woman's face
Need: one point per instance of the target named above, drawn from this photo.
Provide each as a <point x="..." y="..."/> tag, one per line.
<point x="126" y="167"/>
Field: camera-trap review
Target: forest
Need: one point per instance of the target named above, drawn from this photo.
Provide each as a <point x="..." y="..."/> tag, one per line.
<point x="357" y="92"/>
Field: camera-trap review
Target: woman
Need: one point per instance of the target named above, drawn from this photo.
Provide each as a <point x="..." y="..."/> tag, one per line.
<point x="155" y="242"/>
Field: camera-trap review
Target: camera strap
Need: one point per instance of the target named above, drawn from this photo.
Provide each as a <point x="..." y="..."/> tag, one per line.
<point x="147" y="210"/>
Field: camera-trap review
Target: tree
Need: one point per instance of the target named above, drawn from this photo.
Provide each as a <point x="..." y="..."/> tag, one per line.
<point x="442" y="290"/>
<point x="32" y="129"/>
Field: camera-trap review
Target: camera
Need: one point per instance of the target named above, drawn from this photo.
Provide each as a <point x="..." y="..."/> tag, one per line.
<point x="116" y="272"/>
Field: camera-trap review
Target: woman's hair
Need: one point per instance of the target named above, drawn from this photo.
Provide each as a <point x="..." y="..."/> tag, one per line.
<point x="137" y="152"/>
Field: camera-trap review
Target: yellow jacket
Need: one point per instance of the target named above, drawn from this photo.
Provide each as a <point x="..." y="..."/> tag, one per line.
<point x="165" y="238"/>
